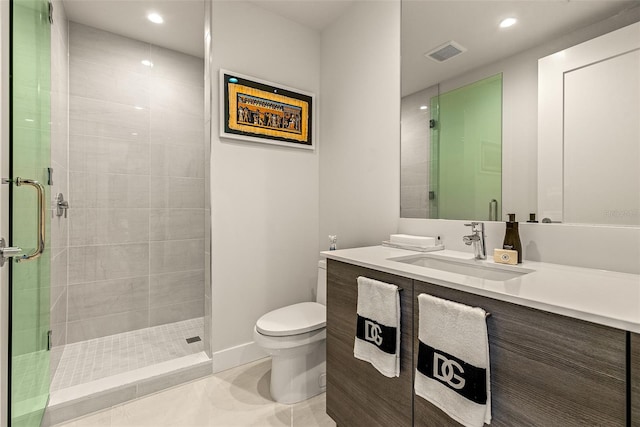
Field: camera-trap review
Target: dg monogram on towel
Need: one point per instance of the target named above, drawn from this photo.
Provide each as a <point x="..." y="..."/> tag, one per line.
<point x="377" y="338"/>
<point x="453" y="360"/>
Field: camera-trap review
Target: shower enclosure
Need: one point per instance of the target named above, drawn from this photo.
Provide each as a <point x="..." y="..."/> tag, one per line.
<point x="109" y="161"/>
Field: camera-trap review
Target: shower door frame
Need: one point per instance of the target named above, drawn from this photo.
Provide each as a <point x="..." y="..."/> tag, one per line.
<point x="18" y="287"/>
<point x="4" y="203"/>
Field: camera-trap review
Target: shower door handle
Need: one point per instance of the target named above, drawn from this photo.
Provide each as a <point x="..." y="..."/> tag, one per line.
<point x="40" y="231"/>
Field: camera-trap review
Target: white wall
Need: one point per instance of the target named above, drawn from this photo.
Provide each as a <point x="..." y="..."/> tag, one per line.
<point x="360" y="125"/>
<point x="264" y="197"/>
<point x="567" y="244"/>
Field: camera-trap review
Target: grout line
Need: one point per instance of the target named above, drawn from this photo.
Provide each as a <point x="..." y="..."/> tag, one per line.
<point x="137" y="277"/>
<point x="149" y="166"/>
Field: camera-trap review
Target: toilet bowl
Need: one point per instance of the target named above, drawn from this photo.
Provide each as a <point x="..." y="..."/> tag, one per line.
<point x="295" y="338"/>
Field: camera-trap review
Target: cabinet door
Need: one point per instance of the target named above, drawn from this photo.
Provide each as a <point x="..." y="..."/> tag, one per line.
<point x="357" y="394"/>
<point x="635" y="380"/>
<point x="546" y="369"/>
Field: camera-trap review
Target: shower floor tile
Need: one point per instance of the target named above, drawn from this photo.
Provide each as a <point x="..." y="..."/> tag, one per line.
<point x="90" y="360"/>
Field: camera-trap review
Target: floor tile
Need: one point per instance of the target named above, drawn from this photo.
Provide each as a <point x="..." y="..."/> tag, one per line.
<point x="236" y="397"/>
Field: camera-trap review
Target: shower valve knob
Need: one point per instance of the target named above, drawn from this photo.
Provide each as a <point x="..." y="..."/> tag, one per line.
<point x="61" y="205"/>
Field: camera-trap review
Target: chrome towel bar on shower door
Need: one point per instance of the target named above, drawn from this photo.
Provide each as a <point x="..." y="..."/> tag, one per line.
<point x="41" y="219"/>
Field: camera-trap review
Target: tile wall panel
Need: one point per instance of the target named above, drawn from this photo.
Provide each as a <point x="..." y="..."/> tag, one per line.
<point x="60" y="163"/>
<point x="97" y="299"/>
<point x="136" y="184"/>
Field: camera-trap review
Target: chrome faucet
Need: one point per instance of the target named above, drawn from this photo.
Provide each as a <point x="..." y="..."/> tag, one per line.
<point x="477" y="238"/>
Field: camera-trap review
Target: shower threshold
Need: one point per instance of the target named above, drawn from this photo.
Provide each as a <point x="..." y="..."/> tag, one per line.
<point x="170" y="365"/>
<point x="82" y="399"/>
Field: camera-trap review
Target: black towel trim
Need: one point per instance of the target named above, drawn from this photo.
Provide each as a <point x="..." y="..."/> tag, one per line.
<point x="383" y="337"/>
<point x="465" y="379"/>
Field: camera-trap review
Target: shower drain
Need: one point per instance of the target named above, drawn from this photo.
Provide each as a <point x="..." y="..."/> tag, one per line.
<point x="193" y="339"/>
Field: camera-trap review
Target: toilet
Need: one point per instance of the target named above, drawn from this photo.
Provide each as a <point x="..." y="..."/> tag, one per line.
<point x="295" y="338"/>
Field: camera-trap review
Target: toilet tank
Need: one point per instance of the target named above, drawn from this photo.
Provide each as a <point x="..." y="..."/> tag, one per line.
<point x="321" y="287"/>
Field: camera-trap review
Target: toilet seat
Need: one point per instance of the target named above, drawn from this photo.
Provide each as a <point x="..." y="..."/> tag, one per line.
<point x="293" y="320"/>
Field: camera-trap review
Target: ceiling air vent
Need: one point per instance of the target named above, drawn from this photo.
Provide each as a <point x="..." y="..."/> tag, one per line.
<point x="445" y="52"/>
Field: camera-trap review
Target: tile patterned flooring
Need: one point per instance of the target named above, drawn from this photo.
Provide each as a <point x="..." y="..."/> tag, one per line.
<point x="237" y="397"/>
<point x="90" y="360"/>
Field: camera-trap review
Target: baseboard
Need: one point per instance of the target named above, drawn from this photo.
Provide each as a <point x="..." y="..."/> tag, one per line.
<point x="236" y="356"/>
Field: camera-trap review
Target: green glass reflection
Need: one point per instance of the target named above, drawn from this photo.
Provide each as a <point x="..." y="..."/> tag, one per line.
<point x="466" y="151"/>
<point x="30" y="148"/>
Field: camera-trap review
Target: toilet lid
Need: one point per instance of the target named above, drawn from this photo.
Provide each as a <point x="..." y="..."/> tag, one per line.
<point x="293" y="319"/>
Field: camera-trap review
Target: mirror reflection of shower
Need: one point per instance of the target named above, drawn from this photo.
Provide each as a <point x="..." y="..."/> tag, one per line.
<point x="451" y="145"/>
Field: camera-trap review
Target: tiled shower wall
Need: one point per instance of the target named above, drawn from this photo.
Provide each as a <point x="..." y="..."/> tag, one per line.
<point x="60" y="165"/>
<point x="415" y="154"/>
<point x="137" y="190"/>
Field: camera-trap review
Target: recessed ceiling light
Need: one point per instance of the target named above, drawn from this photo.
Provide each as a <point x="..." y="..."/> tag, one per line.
<point x="147" y="63"/>
<point x="507" y="22"/>
<point x="424" y="107"/>
<point x="155" y="18"/>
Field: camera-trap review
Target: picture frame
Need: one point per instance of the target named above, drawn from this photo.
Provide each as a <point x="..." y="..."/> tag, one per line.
<point x="256" y="110"/>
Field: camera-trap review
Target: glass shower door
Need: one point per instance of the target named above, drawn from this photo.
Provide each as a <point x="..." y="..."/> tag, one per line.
<point x="29" y="199"/>
<point x="466" y="152"/>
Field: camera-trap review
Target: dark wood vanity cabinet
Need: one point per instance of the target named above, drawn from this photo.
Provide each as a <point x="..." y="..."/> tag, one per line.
<point x="546" y="369"/>
<point x="357" y="394"/>
<point x="635" y="380"/>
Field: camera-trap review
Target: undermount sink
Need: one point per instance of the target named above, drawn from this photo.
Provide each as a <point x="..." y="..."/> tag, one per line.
<point x="479" y="269"/>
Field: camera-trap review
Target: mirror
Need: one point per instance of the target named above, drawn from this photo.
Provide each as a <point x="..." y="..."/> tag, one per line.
<point x="542" y="28"/>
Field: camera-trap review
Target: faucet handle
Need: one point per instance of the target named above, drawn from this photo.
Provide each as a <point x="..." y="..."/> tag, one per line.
<point x="474" y="224"/>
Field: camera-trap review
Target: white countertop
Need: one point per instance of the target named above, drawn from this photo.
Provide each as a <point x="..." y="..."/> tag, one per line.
<point x="604" y="297"/>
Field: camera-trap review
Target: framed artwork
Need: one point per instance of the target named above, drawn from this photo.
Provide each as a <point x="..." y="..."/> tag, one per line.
<point x="260" y="111"/>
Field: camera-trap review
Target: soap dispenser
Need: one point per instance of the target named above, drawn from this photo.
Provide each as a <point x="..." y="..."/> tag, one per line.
<point x="512" y="237"/>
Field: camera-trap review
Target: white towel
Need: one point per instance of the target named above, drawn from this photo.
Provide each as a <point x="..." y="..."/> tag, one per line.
<point x="378" y="333"/>
<point x="409" y="240"/>
<point x="453" y="360"/>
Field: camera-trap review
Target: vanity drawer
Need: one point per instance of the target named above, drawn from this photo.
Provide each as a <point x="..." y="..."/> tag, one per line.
<point x="357" y="394"/>
<point x="546" y="369"/>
